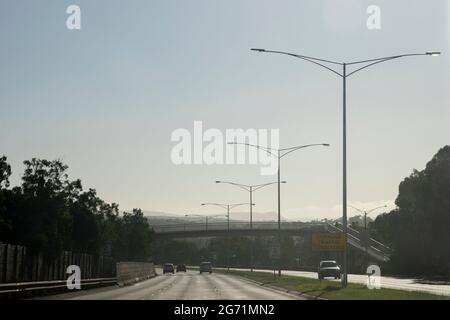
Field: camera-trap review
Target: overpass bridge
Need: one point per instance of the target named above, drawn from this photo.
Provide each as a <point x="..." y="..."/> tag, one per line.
<point x="218" y="229"/>
<point x="370" y="246"/>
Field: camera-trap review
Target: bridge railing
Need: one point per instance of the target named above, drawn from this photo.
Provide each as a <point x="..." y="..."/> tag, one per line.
<point x="234" y="225"/>
<point x="356" y="236"/>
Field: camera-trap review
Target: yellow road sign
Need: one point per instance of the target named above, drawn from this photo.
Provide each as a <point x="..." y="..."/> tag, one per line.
<point x="328" y="241"/>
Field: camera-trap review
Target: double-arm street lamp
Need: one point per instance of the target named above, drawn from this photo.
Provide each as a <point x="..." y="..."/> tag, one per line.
<point x="228" y="207"/>
<point x="344" y="74"/>
<point x="366" y="212"/>
<point x="279" y="153"/>
<point x="250" y="189"/>
<point x="366" y="235"/>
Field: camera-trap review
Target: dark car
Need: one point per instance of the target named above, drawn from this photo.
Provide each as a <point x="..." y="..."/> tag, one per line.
<point x="181" y="267"/>
<point x="329" y="269"/>
<point x="206" y="267"/>
<point x="168" y="268"/>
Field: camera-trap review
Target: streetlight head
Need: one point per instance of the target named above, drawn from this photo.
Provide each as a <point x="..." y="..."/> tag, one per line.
<point x="203" y="204"/>
<point x="326" y="144"/>
<point x="433" y="53"/>
<point x="283" y="181"/>
<point x="257" y="49"/>
<point x="217" y="181"/>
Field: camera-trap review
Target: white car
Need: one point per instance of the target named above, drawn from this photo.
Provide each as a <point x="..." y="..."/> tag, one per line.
<point x="329" y="268"/>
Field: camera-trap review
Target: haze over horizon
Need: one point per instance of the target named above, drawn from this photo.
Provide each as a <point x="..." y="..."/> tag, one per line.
<point x="105" y="99"/>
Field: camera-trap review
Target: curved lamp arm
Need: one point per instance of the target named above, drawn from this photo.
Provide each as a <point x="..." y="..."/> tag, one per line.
<point x="301" y="147"/>
<point x="266" y="149"/>
<point x="370" y="62"/>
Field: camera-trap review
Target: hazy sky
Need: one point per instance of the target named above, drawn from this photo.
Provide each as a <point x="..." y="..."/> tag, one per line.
<point x="106" y="98"/>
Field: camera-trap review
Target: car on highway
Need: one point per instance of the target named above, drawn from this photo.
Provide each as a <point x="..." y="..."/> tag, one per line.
<point x="168" y="268"/>
<point x="329" y="268"/>
<point x="206" y="267"/>
<point x="181" y="267"/>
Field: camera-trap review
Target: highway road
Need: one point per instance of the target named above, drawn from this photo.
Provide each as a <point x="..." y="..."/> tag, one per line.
<point x="439" y="288"/>
<point x="182" y="286"/>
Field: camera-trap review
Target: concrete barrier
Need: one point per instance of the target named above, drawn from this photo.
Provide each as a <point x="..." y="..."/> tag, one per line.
<point x="131" y="272"/>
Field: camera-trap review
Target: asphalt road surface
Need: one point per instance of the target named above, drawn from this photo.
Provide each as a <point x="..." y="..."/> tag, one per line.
<point x="440" y="288"/>
<point x="183" y="286"/>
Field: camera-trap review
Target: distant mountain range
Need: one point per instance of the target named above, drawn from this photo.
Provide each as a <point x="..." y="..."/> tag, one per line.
<point x="161" y="214"/>
<point x="355" y="220"/>
<point x="241" y="216"/>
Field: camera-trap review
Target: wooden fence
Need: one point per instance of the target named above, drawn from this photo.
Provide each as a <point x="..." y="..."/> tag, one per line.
<point x="17" y="264"/>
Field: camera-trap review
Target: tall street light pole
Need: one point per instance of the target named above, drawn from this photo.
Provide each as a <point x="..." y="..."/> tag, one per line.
<point x="360" y="65"/>
<point x="228" y="207"/>
<point x="250" y="189"/>
<point x="279" y="153"/>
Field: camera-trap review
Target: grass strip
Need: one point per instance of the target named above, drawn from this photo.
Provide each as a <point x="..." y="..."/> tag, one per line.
<point x="332" y="289"/>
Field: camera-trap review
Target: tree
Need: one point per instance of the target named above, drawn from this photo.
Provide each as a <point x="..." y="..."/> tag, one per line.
<point x="49" y="213"/>
<point x="42" y="221"/>
<point x="87" y="220"/>
<point x="176" y="251"/>
<point x="418" y="229"/>
<point x="5" y="173"/>
<point x="133" y="242"/>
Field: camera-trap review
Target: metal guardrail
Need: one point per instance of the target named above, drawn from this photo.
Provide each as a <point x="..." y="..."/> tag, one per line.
<point x="374" y="248"/>
<point x="372" y="241"/>
<point x="21" y="288"/>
